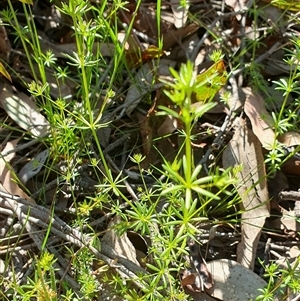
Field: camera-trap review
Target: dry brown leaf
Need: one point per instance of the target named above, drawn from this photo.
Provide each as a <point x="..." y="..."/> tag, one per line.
<point x="271" y="13"/>
<point x="203" y="277"/>
<point x="290" y="138"/>
<point x="261" y="120"/>
<point x="33" y="167"/>
<point x="146" y="132"/>
<point x="275" y="185"/>
<point x="121" y="244"/>
<point x="236" y="5"/>
<point x="175" y="36"/>
<point x="201" y="297"/>
<point x="141" y="247"/>
<point x="59" y="88"/>
<point x="5" y="47"/>
<point x="7" y="177"/>
<point x="292" y="165"/>
<point x="169" y="125"/>
<point x="234" y="282"/>
<point x="274" y="65"/>
<point x="59" y="50"/>
<point x="180" y="12"/>
<point x="144" y="79"/>
<point x="191" y="281"/>
<point x="289" y="221"/>
<point x="23" y="111"/>
<point x="123" y="248"/>
<point x="244" y="149"/>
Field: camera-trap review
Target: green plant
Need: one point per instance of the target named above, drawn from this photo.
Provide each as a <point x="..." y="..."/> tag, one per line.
<point x="43" y="285"/>
<point x="183" y="192"/>
<point x="282" y="282"/>
<point x="171" y="211"/>
<point x="286" y="118"/>
<point x="74" y="124"/>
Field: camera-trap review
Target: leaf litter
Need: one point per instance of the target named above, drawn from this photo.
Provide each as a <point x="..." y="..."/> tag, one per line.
<point x="241" y="141"/>
<point x="244" y="149"/>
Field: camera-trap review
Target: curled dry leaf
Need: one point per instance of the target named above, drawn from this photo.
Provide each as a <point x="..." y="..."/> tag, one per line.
<point x="245" y="150"/>
<point x="191" y="280"/>
<point x="137" y="57"/>
<point x="122" y="247"/>
<point x="141" y="247"/>
<point x="261" y="121"/>
<point x="121" y="244"/>
<point x="292" y="167"/>
<point x="8" y="181"/>
<point x="23" y="111"/>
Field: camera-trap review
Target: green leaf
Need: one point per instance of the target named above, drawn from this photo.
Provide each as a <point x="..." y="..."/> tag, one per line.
<point x="172" y="189"/>
<point x="210" y="81"/>
<point x="4" y="72"/>
<point x="196" y="172"/>
<point x="205" y="193"/>
<point x="166" y="111"/>
<point x="27" y="1"/>
<point x="200" y="108"/>
<point x="292" y="5"/>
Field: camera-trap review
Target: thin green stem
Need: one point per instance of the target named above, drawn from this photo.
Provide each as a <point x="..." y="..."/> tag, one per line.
<point x="15" y="24"/>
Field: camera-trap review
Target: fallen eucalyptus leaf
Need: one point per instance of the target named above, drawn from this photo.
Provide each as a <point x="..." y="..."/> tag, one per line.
<point x="24" y="112"/>
<point x="121" y="244"/>
<point x="8" y="180"/>
<point x="245" y="150"/>
<point x="30" y="169"/>
<point x="261" y="121"/>
<point x="180" y="11"/>
<point x="234" y="282"/>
